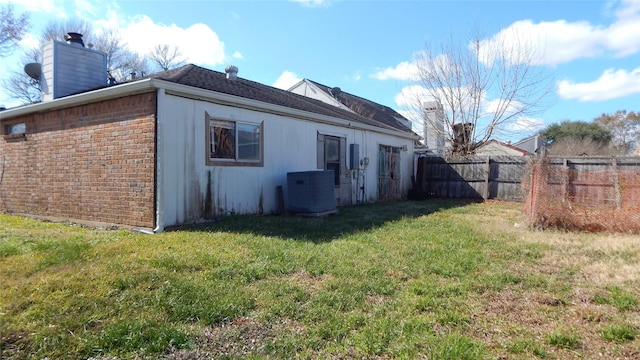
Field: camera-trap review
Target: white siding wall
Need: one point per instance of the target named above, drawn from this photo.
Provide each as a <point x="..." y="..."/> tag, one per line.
<point x="289" y="145"/>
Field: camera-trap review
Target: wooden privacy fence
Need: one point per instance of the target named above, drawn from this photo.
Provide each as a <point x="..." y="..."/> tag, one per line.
<point x="502" y="177"/>
<point x="497" y="177"/>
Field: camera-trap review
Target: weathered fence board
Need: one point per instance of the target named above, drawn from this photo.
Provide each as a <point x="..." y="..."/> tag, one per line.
<point x="473" y="177"/>
<point x="586" y="194"/>
<point x="593" y="181"/>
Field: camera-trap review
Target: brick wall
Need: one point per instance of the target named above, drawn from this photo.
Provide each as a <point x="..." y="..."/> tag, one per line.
<point x="92" y="162"/>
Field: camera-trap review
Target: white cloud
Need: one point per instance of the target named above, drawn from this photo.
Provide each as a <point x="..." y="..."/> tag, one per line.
<point x="313" y="3"/>
<point x="237" y="55"/>
<point x="556" y="42"/>
<point x="411" y="96"/>
<point x="629" y="9"/>
<point x="47" y="6"/>
<point x="622" y="36"/>
<point x="84" y="8"/>
<point x="526" y="124"/>
<point x="610" y="85"/>
<point x="286" y="80"/>
<point x="356" y="77"/>
<point x="403" y="71"/>
<point x="547" y="42"/>
<point x="198" y="43"/>
<point x="30" y="41"/>
<point x="111" y="21"/>
<point x="490" y="107"/>
<point x="544" y="43"/>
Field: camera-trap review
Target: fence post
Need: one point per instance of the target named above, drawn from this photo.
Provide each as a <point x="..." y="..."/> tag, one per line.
<point x="487" y="178"/>
<point x="565" y="180"/>
<point x="616" y="184"/>
<point x="531" y="192"/>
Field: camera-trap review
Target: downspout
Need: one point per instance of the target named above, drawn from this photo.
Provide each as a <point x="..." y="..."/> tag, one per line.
<point x="159" y="188"/>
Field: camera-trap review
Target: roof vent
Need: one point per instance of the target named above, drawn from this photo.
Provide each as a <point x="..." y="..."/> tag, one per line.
<point x="74" y="38"/>
<point x="335" y="91"/>
<point x="232" y="72"/>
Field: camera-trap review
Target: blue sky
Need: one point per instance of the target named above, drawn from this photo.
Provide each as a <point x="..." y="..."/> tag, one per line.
<point x="367" y="48"/>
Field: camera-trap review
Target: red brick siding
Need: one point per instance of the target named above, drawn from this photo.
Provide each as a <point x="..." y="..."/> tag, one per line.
<point x="93" y="162"/>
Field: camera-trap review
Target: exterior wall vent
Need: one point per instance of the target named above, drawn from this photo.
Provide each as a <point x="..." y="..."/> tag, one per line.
<point x="311" y="193"/>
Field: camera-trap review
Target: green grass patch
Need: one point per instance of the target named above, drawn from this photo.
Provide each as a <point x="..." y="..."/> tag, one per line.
<point x="618" y="298"/>
<point x="388" y="280"/>
<point x="527" y="346"/>
<point x="564" y="340"/>
<point x="209" y="302"/>
<point x="456" y="346"/>
<point x="620" y="333"/>
<point x="139" y="336"/>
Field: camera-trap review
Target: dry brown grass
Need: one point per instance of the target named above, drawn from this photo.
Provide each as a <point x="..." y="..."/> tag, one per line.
<point x="586" y="265"/>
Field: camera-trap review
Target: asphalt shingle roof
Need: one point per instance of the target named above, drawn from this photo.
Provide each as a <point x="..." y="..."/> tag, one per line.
<point x="199" y="77"/>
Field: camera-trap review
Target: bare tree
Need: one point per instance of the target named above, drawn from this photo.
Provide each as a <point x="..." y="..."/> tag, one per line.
<point x="624" y="127"/>
<point x="121" y="62"/>
<point x="19" y="85"/>
<point x="483" y="87"/>
<point x="22" y="87"/>
<point x="12" y="29"/>
<point x="166" y="57"/>
<point x="56" y="30"/>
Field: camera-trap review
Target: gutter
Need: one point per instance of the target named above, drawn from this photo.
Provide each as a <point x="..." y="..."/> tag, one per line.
<point x="111" y="92"/>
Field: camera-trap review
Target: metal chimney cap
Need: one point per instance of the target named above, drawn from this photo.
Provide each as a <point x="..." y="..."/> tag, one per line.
<point x="232" y="71"/>
<point x="74" y="38"/>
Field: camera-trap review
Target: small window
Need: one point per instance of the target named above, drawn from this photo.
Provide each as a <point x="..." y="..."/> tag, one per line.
<point x="234" y="143"/>
<point x="15" y="132"/>
<point x="15" y="129"/>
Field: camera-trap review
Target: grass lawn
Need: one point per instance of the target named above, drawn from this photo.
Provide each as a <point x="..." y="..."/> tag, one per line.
<point x="430" y="279"/>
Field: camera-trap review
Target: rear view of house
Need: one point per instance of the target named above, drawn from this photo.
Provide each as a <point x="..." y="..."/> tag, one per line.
<point x="187" y="145"/>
